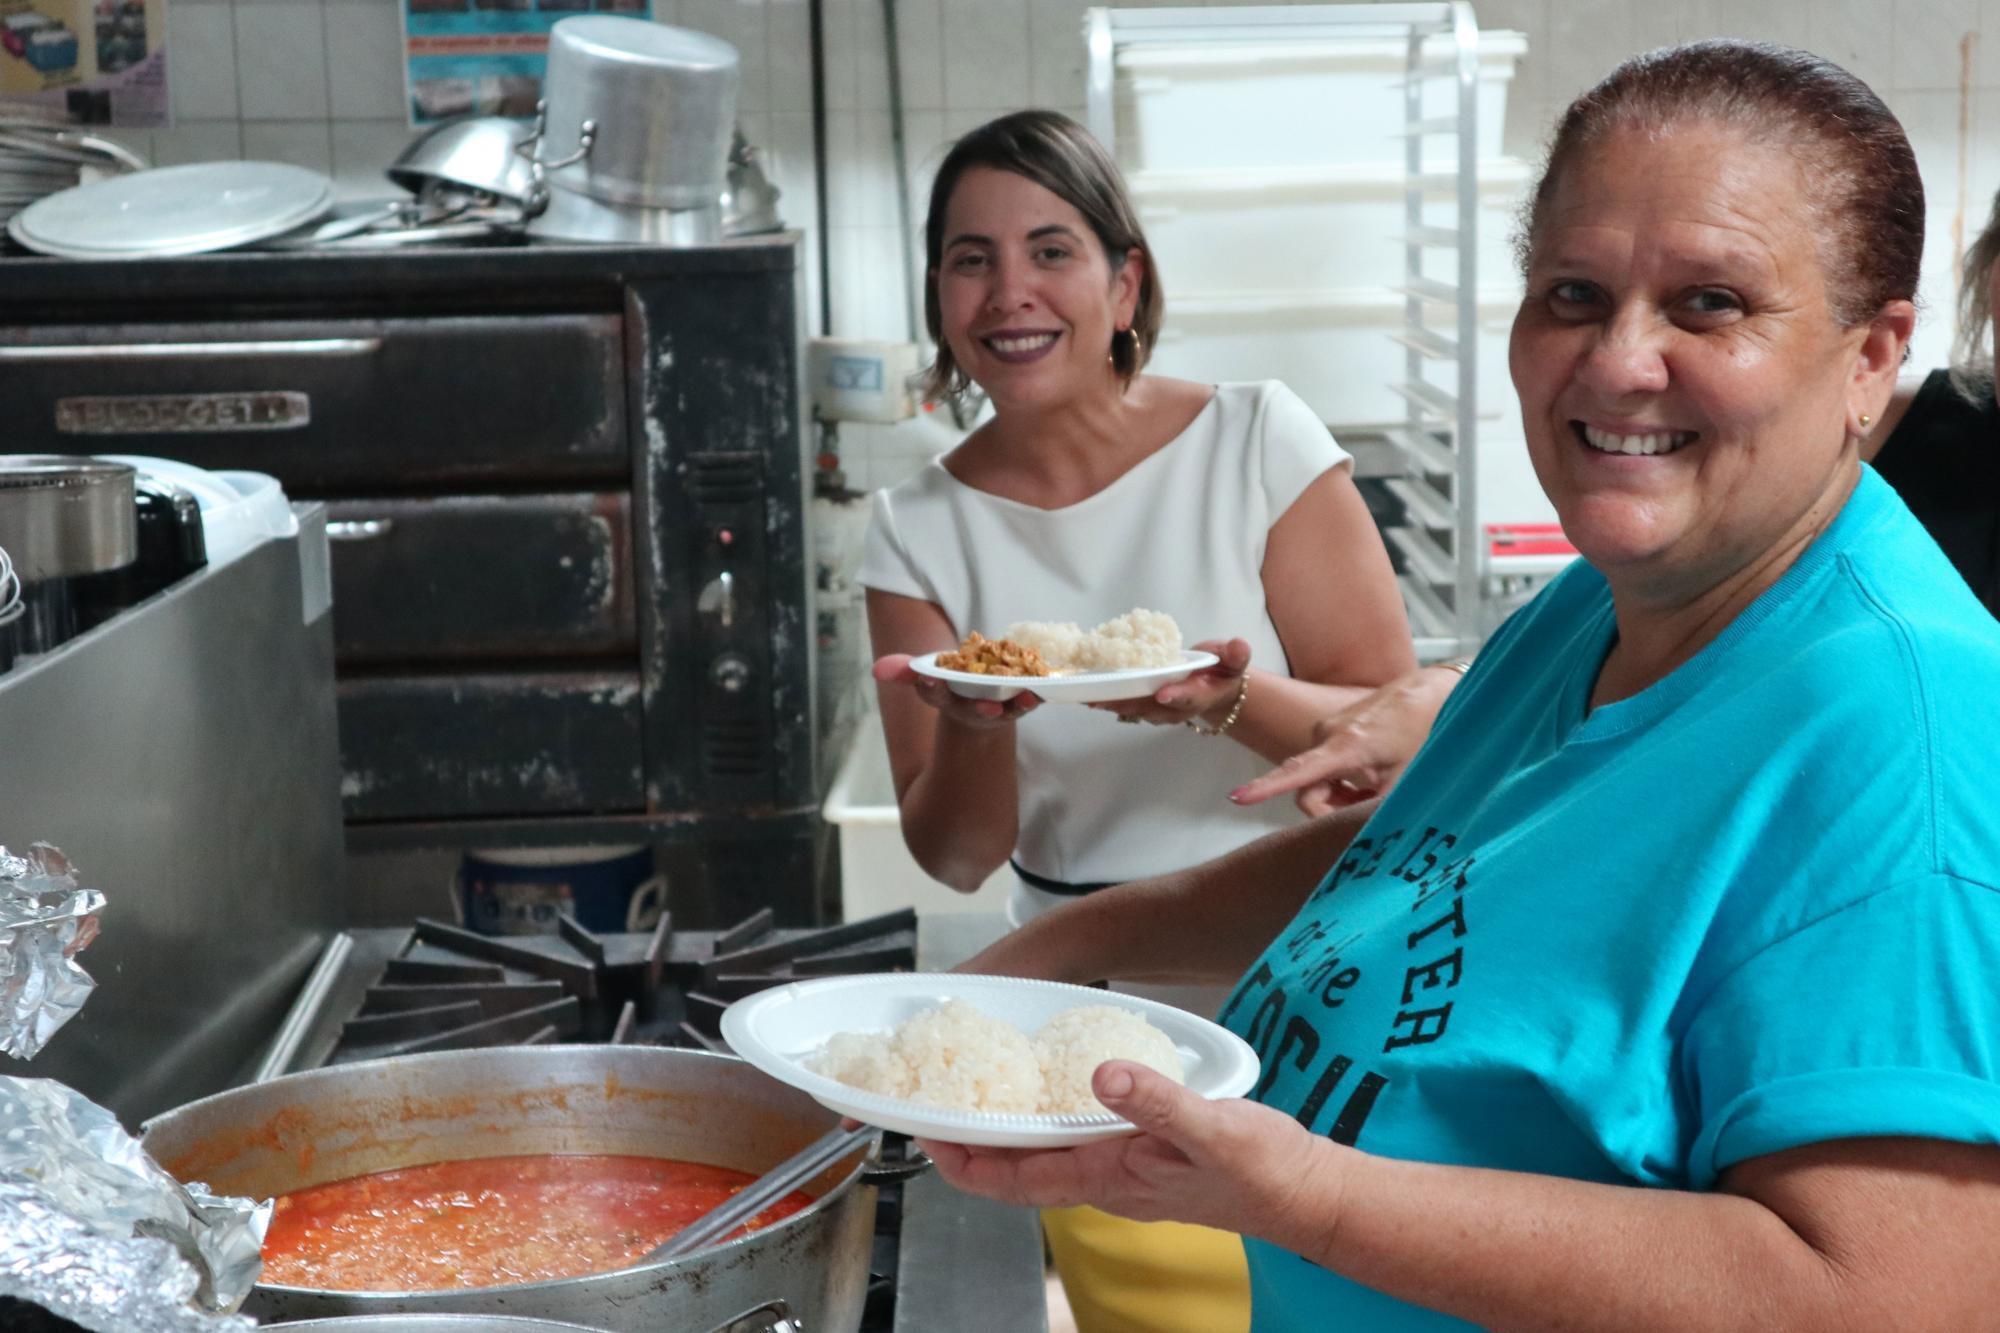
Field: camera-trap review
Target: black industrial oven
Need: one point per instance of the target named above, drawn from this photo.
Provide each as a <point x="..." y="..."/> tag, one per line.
<point x="565" y="490"/>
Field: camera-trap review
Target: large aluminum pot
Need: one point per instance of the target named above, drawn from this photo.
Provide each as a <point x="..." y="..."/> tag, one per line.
<point x="347" y="1120"/>
<point x="663" y="104"/>
<point x="764" y="1319"/>
<point x="435" y="1323"/>
<point x="578" y="217"/>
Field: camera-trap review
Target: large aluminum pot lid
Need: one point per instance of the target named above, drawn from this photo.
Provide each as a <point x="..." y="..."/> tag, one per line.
<point x="641" y="43"/>
<point x="173" y="210"/>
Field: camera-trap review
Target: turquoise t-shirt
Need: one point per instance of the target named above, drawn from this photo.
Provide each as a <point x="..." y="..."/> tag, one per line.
<point x="1755" y="906"/>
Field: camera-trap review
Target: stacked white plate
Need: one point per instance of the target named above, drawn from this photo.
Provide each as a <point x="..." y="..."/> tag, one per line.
<point x="40" y="155"/>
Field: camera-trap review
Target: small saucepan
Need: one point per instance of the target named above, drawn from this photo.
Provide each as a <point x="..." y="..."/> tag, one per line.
<point x="475" y="155"/>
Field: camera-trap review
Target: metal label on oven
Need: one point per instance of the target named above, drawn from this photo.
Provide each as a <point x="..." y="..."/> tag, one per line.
<point x="182" y="413"/>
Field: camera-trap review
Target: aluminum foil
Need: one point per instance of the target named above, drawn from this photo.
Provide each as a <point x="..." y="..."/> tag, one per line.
<point x="94" y="1230"/>
<point x="45" y="921"/>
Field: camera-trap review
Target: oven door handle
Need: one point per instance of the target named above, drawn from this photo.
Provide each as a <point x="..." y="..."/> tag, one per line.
<point x="300" y="347"/>
<point x="358" y="529"/>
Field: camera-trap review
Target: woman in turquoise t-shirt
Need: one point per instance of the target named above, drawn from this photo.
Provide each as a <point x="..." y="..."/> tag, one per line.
<point x="1659" y="992"/>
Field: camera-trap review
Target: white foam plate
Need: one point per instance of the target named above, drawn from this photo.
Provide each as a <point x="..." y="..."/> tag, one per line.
<point x="1084" y="687"/>
<point x="780" y="1030"/>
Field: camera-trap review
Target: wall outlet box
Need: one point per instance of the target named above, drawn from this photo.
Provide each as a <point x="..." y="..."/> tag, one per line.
<point x="851" y="379"/>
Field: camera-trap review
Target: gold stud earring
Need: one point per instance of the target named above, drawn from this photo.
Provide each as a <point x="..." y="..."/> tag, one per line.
<point x="1865" y="419"/>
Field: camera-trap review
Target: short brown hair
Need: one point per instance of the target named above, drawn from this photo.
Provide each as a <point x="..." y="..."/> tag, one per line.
<point x="1870" y="217"/>
<point x="1972" y="349"/>
<point x="1063" y="158"/>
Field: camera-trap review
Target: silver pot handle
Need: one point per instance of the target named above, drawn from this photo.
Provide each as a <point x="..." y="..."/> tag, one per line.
<point x="537" y="201"/>
<point x="117" y="153"/>
<point x="770" y="1317"/>
<point x="875" y="1171"/>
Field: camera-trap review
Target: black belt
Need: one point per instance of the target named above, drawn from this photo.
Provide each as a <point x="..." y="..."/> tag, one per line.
<point x="1056" y="886"/>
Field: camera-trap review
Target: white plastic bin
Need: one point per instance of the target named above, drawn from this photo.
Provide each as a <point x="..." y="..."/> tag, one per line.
<point x="1339" y="357"/>
<point x="877" y="872"/>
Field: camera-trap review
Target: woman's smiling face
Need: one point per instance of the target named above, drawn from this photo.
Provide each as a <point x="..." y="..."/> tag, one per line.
<point x="1683" y="382"/>
<point x="1028" y="299"/>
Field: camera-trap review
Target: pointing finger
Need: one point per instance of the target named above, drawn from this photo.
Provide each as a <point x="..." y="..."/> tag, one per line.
<point x="1331" y="760"/>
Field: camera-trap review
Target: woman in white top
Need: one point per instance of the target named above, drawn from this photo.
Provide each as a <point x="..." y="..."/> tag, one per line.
<point x="1092" y="490"/>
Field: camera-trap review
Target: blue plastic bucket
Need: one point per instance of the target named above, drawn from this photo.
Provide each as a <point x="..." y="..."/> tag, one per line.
<point x="521" y="890"/>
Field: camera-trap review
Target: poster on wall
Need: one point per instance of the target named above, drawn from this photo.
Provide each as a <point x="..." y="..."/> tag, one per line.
<point x="96" y="62"/>
<point x="485" y="57"/>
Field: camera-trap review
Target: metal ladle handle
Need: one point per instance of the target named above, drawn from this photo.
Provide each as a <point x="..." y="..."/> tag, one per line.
<point x="761" y="1193"/>
<point x="537" y="201"/>
<point x="771" y="1317"/>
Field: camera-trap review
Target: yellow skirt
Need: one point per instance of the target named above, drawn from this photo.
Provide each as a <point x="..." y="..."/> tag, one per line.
<point x="1148" y="1277"/>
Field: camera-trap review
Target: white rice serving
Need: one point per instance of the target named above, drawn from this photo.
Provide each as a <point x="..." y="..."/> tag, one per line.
<point x="1075" y="1042"/>
<point x="951" y="1056"/>
<point x="866" y="1061"/>
<point x="1139" y="638"/>
<point x="955" y="1057"/>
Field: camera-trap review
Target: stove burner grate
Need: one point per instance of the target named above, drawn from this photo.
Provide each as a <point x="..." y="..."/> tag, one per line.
<point x="447" y="988"/>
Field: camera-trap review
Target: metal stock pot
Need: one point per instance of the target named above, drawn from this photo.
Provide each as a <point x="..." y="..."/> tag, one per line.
<point x="348" y="1120"/>
<point x="632" y="141"/>
<point x="435" y="1323"/>
<point x="764" y="1319"/>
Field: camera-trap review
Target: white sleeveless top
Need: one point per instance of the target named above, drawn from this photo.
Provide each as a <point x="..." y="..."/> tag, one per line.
<point x="1183" y="532"/>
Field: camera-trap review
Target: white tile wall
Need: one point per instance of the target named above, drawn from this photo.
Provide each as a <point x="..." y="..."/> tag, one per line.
<point x="1055" y="52"/>
<point x="364" y="43"/>
<point x="304" y="143"/>
<point x="362" y="148"/>
<point x="1852" y="33"/>
<point x="281" y="65"/>
<point x="986" y="54"/>
<point x="319" y="82"/>
<point x="201" y="35"/>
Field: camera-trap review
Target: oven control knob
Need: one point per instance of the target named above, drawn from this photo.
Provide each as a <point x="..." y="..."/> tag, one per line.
<point x="730" y="673"/>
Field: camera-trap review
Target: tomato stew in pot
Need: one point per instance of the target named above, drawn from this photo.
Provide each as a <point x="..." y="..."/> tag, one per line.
<point x="492" y="1221"/>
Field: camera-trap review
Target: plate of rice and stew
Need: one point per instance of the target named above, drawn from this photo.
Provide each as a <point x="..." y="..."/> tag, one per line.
<point x="1126" y="657"/>
<point x="1002" y="1062"/>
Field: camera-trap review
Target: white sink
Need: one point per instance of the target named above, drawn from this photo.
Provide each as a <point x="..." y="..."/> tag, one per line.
<point x="877" y="872"/>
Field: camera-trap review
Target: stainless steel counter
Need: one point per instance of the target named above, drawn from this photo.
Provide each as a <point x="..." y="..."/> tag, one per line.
<point x="183" y="756"/>
<point x="966" y="1262"/>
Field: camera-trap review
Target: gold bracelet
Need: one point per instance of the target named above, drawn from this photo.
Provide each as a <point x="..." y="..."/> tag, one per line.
<point x="1235" y="711"/>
